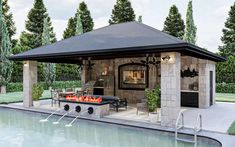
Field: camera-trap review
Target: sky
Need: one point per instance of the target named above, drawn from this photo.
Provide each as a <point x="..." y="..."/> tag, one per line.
<point x="209" y="15"/>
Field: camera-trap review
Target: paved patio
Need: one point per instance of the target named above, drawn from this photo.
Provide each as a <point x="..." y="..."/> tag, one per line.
<point x="217" y="118"/>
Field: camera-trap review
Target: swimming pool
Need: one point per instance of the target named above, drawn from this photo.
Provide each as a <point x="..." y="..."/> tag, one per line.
<point x="23" y="129"/>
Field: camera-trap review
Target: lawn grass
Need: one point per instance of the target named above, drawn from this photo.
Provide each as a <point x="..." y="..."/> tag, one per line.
<point x="18" y="97"/>
<point x="225" y="97"/>
<point x="231" y="130"/>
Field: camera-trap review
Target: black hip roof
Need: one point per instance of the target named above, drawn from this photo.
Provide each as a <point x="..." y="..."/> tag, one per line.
<point x="116" y="41"/>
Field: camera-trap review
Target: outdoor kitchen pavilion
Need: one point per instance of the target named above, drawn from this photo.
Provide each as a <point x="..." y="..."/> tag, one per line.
<point x="126" y="58"/>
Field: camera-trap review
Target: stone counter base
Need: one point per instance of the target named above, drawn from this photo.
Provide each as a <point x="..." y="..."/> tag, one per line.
<point x="99" y="110"/>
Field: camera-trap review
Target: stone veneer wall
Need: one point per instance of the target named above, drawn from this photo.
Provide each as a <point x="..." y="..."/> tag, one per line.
<point x="170" y="89"/>
<point x="132" y="96"/>
<point x="205" y="66"/>
<point x="96" y="73"/>
<point x="192" y="63"/>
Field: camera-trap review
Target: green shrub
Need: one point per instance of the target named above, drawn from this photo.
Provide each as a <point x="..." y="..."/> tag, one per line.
<point x="225" y="71"/>
<point x="37" y="91"/>
<point x="225" y="87"/>
<point x="14" y="87"/>
<point x="153" y="98"/>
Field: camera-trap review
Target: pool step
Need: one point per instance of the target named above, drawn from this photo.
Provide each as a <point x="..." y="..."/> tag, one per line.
<point x="185" y="140"/>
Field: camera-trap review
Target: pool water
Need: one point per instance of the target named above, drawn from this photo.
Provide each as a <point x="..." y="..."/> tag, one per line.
<point x="23" y="129"/>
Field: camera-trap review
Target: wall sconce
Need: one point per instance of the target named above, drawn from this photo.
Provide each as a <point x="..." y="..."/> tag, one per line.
<point x="105" y="72"/>
<point x="25" y="63"/>
<point x="166" y="58"/>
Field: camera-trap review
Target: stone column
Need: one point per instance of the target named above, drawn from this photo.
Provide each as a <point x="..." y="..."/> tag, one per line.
<point x="29" y="78"/>
<point x="205" y="67"/>
<point x="170" y="88"/>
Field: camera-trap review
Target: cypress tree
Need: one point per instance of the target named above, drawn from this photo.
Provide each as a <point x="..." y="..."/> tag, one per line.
<point x="34" y="25"/>
<point x="5" y="52"/>
<point x="174" y="24"/>
<point x="122" y="12"/>
<point x="85" y="15"/>
<point x="228" y="38"/>
<point x="140" y="19"/>
<point x="190" y="29"/>
<point x="49" y="68"/>
<point x="79" y="28"/>
<point x="69" y="31"/>
<point x="86" y="20"/>
<point x="8" y="16"/>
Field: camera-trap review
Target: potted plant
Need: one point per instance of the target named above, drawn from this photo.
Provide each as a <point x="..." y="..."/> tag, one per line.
<point x="153" y="98"/>
<point x="37" y="93"/>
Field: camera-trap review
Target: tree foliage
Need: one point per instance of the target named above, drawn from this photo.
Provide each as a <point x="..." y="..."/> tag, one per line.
<point x="8" y="18"/>
<point x="32" y="36"/>
<point x="190" y="29"/>
<point x="70" y="30"/>
<point x="49" y="68"/>
<point x="225" y="71"/>
<point x="79" y="28"/>
<point x="5" y="51"/>
<point x="86" y="21"/>
<point x="174" y="24"/>
<point x="228" y="38"/>
<point x="122" y="12"/>
<point x="34" y="25"/>
<point x="140" y="19"/>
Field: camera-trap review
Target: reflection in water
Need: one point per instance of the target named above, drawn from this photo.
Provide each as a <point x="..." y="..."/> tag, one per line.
<point x="22" y="129"/>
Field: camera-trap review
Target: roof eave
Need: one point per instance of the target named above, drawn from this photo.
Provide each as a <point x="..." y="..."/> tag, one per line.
<point x="180" y="47"/>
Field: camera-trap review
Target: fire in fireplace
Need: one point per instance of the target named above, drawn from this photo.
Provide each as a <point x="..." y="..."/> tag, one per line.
<point x="88" y="99"/>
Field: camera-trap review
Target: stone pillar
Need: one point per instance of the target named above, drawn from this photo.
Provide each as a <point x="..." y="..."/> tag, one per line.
<point x="29" y="78"/>
<point x="170" y="88"/>
<point x="205" y="67"/>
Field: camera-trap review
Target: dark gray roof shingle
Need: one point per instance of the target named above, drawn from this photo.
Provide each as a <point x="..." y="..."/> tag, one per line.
<point x="109" y="38"/>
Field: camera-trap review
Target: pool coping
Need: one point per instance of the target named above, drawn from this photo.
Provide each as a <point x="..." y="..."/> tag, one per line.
<point x="223" y="139"/>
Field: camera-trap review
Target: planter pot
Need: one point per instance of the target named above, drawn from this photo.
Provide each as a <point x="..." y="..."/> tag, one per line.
<point x="36" y="103"/>
<point x="153" y="117"/>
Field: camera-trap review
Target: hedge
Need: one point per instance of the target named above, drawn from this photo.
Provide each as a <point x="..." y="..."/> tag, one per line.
<point x="225" y="87"/>
<point x="14" y="87"/>
<point x="66" y="84"/>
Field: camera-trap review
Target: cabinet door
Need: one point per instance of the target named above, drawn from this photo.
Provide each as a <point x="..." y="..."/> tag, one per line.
<point x="189" y="99"/>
